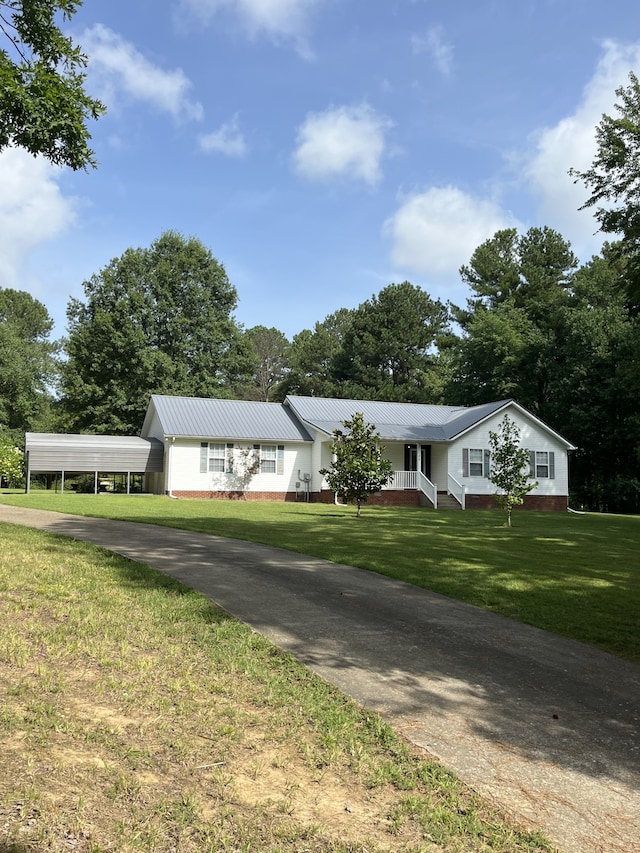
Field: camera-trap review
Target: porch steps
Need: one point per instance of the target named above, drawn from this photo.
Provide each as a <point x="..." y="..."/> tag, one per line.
<point x="446" y="501"/>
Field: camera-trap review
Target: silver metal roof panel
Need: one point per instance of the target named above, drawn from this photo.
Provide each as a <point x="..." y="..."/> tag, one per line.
<point x="52" y="452"/>
<point x="230" y="419"/>
<point x="393" y="421"/>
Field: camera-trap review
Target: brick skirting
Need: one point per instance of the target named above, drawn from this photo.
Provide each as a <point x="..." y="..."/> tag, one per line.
<point x="237" y="496"/>
<point x="391" y="497"/>
<point x="387" y="498"/>
<point x="551" y="503"/>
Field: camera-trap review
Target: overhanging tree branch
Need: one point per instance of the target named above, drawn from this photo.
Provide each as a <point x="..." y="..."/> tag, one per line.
<point x="44" y="107"/>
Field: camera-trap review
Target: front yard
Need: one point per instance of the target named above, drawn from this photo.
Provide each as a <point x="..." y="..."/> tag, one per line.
<point x="576" y="575"/>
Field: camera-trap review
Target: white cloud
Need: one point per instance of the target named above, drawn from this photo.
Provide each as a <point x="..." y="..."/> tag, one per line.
<point x="436" y="231"/>
<point x="571" y="143"/>
<point x="440" y="51"/>
<point x="347" y="141"/>
<point x="279" y="20"/>
<point x="228" y="140"/>
<point x="117" y="64"/>
<point x="32" y="210"/>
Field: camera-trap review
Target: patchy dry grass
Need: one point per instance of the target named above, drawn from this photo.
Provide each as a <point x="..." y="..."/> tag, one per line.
<point x="135" y="716"/>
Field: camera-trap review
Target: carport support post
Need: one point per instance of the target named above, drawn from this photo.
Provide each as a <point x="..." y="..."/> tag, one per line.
<point x="95" y="482"/>
<point x="128" y="482"/>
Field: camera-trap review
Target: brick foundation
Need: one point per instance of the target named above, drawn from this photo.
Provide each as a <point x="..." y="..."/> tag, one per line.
<point x="237" y="496"/>
<point x="386" y="498"/>
<point x="552" y="503"/>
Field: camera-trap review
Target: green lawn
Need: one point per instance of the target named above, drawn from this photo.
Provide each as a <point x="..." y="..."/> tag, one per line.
<point x="190" y="732"/>
<point x="576" y="575"/>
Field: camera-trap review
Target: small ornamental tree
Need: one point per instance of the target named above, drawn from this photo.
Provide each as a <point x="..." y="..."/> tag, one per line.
<point x="248" y="465"/>
<point x="509" y="466"/>
<point x="359" y="468"/>
<point x="11" y="462"/>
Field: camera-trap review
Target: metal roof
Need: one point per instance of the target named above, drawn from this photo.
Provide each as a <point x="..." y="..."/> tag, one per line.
<point x="393" y="421"/>
<point x="255" y="421"/>
<point x="51" y="452"/>
<point x="221" y="418"/>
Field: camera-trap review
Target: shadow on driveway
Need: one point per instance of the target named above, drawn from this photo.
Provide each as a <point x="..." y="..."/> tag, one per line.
<point x="547" y="727"/>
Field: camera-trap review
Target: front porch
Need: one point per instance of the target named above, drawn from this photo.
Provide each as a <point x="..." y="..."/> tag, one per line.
<point x="417" y="481"/>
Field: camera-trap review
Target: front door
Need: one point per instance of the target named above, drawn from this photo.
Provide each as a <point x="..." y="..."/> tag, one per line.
<point x="411" y="458"/>
<point x="425" y="460"/>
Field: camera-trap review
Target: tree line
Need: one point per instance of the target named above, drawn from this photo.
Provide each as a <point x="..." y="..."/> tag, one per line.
<point x="560" y="337"/>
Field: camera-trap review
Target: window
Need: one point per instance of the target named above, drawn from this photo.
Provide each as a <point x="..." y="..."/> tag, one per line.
<point x="475" y="462"/>
<point x="216" y="457"/>
<point x="271" y="458"/>
<point x="268" y="459"/>
<point x="542" y="464"/>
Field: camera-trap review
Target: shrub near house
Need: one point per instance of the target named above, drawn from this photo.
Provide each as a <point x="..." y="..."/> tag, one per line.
<point x="11" y="463"/>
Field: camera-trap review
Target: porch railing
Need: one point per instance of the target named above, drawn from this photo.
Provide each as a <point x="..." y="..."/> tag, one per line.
<point x="403" y="480"/>
<point x="428" y="488"/>
<point x="456" y="490"/>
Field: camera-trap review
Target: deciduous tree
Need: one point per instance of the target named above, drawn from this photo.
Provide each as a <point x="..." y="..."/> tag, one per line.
<point x="595" y="400"/>
<point x="270" y="352"/>
<point x="614" y="179"/>
<point x="155" y="321"/>
<point x="28" y="365"/>
<point x="44" y="107"/>
<point x="509" y="470"/>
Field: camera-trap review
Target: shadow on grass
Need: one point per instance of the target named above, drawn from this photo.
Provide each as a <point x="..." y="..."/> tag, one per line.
<point x="408" y="652"/>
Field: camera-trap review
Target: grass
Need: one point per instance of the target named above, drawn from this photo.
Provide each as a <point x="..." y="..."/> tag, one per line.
<point x="575" y="575"/>
<point x="136" y="716"/>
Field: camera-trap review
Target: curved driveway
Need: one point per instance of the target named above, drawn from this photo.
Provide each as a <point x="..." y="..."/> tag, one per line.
<point x="547" y="728"/>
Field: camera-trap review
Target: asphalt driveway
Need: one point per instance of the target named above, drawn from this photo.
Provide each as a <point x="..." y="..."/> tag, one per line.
<point x="546" y="727"/>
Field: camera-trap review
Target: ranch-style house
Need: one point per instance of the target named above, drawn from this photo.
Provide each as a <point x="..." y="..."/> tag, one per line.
<point x="215" y="448"/>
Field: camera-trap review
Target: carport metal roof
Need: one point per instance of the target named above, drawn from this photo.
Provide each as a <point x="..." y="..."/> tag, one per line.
<point x="51" y="452"/>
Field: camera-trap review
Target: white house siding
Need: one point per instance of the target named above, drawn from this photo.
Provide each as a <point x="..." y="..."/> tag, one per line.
<point x="186" y="477"/>
<point x="319" y="457"/>
<point x="532" y="437"/>
<point x="439" y="466"/>
<point x="394" y="452"/>
<point x="322" y="458"/>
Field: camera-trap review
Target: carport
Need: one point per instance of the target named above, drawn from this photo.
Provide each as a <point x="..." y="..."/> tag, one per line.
<point x="66" y="455"/>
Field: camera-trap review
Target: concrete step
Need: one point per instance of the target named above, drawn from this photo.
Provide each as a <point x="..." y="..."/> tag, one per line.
<point x="447" y="502"/>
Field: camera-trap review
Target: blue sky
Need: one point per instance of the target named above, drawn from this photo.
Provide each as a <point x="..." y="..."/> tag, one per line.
<point x="321" y="149"/>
